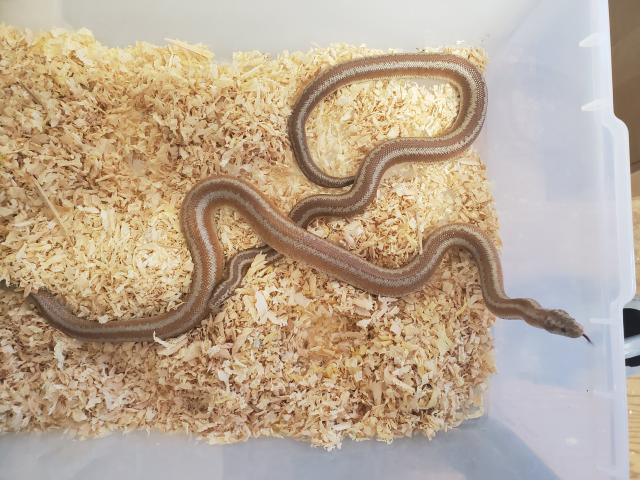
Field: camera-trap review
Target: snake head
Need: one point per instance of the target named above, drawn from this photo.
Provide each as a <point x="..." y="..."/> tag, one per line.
<point x="561" y="323"/>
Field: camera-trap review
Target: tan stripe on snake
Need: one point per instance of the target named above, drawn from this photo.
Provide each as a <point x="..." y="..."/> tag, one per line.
<point x="288" y="238"/>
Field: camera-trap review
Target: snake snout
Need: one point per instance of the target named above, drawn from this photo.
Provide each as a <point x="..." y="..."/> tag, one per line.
<point x="560" y="322"/>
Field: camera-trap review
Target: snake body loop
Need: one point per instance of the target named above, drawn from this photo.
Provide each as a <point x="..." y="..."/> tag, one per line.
<point x="473" y="104"/>
<point x="286" y="236"/>
<point x="462" y="74"/>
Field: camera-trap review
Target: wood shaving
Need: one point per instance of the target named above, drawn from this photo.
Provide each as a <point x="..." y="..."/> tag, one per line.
<point x="115" y="138"/>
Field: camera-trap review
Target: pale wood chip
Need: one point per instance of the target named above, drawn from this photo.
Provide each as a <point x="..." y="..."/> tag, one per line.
<point x="115" y="138"/>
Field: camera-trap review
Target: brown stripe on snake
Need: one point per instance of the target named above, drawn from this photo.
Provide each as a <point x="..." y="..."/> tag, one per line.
<point x="289" y="239"/>
<point x="473" y="103"/>
<point x="199" y="230"/>
<point x="278" y="231"/>
<point x="460" y="72"/>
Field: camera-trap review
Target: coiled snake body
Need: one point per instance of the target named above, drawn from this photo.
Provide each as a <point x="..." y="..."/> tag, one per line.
<point x="286" y="235"/>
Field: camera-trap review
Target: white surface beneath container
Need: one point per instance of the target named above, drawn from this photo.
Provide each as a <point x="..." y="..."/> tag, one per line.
<point x="558" y="164"/>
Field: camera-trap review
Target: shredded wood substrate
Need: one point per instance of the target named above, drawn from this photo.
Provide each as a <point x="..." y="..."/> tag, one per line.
<point x="98" y="147"/>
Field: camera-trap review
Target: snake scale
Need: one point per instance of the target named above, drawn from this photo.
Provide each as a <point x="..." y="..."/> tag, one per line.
<point x="286" y="235"/>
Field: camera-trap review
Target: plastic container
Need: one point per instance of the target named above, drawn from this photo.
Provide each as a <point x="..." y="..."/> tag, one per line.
<point x="558" y="162"/>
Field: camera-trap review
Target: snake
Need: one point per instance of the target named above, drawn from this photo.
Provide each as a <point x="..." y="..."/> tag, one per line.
<point x="285" y="234"/>
<point x="364" y="184"/>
